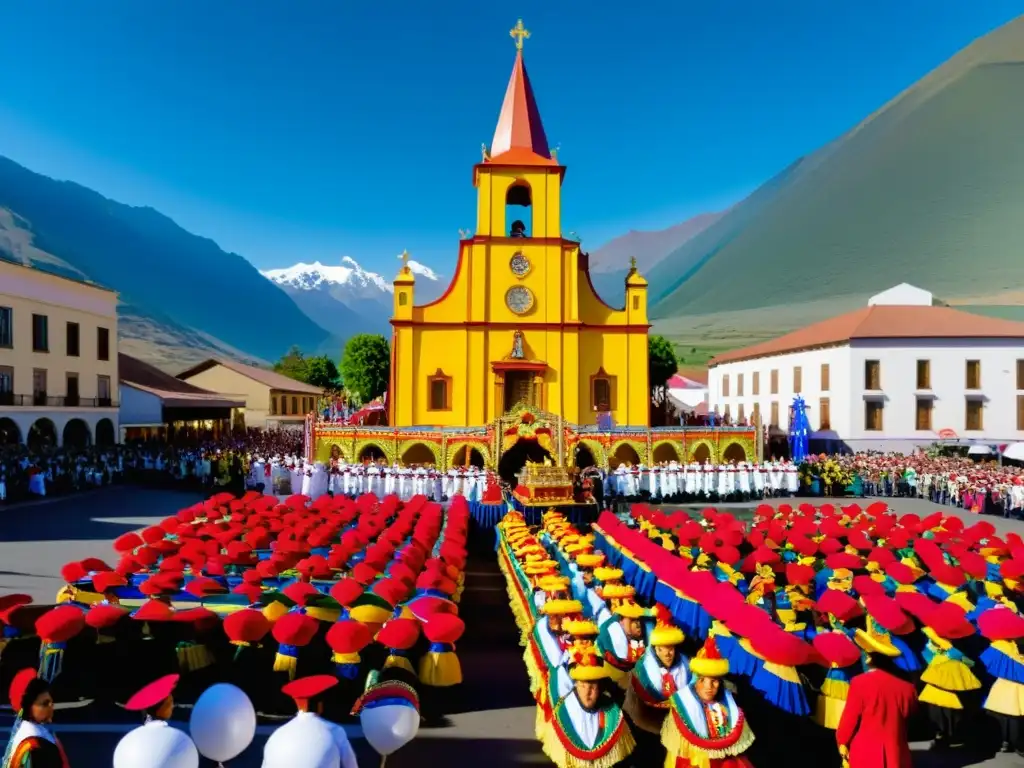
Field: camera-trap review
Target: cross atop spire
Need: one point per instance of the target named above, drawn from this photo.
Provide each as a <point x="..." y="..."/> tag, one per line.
<point x="519" y="137"/>
<point x="519" y="33"/>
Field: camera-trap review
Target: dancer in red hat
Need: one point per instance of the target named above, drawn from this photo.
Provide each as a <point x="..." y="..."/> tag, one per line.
<point x="32" y="743"/>
<point x="280" y="750"/>
<point x="155" y="699"/>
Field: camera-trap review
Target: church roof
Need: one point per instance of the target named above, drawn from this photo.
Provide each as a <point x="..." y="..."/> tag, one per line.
<point x="519" y="137"/>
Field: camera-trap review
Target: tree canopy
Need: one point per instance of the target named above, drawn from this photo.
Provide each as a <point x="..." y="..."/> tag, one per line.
<point x="366" y="365"/>
<point x="662" y="363"/>
<point x="320" y="371"/>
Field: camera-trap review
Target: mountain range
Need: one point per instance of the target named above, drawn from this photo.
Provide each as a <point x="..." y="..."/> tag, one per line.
<point x="927" y="190"/>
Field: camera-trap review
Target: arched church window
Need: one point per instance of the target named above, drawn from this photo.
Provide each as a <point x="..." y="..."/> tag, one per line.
<point x="517" y="198"/>
<point x="602" y="395"/>
<point x="403" y="298"/>
<point x="439" y="391"/>
<point x="636" y="303"/>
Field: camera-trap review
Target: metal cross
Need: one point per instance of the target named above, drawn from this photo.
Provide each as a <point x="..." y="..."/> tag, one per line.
<point x="405" y="259"/>
<point x="519" y="33"/>
<point x="632" y="263"/>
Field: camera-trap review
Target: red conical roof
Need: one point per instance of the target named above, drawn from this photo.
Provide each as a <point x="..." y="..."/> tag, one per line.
<point x="519" y="137"/>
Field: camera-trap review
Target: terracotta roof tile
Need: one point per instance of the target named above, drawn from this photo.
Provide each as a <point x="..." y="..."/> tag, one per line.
<point x="264" y="376"/>
<point x="882" y="322"/>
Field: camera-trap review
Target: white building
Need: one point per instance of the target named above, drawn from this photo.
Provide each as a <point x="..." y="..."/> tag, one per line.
<point x="896" y="374"/>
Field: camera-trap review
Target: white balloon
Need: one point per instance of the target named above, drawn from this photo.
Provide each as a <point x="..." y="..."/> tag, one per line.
<point x="156" y="745"/>
<point x="389" y="728"/>
<point x="303" y="742"/>
<point x="223" y="722"/>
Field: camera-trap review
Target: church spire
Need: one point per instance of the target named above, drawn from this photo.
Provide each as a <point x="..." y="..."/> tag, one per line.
<point x="519" y="137"/>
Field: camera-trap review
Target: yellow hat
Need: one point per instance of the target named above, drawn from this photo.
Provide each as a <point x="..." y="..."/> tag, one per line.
<point x="578" y="547"/>
<point x="590" y="560"/>
<point x="585" y="664"/>
<point x="709" y="662"/>
<point x="875" y="640"/>
<point x="561" y="607"/>
<point x="553" y="583"/>
<point x="580" y="628"/>
<point x="616" y="591"/>
<point x="629" y="610"/>
<point x="606" y="574"/>
<point x="666" y="634"/>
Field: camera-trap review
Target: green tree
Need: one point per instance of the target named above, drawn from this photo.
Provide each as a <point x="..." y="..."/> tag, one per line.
<point x="366" y="366"/>
<point x="662" y="365"/>
<point x="293" y="365"/>
<point x="322" y="372"/>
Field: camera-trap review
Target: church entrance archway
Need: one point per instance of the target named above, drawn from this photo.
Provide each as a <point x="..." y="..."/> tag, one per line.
<point x="476" y="459"/>
<point x="584" y="457"/>
<point x="42" y="435"/>
<point x="515" y="458"/>
<point x="519" y="389"/>
<point x="372" y="453"/>
<point x="702" y="453"/>
<point x="10" y="434"/>
<point x="735" y="453"/>
<point x="625" y="454"/>
<point x="76" y="434"/>
<point x="105" y="432"/>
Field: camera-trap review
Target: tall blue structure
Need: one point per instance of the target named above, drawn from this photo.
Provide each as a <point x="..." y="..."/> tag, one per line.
<point x="799" y="428"/>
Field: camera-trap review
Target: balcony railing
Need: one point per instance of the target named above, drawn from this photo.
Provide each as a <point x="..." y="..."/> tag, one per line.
<point x="42" y="400"/>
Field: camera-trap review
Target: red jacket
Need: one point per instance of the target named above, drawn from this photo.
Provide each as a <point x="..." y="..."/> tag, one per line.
<point x="874" y="721"/>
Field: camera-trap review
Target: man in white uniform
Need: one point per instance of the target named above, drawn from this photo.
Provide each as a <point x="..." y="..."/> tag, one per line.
<point x="324" y="744"/>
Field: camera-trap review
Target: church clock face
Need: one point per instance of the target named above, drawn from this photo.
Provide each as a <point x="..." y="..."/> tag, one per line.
<point x="519" y="299"/>
<point x="519" y="265"/>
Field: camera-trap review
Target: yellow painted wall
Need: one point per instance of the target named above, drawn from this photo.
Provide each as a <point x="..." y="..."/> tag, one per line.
<point x="567" y="326"/>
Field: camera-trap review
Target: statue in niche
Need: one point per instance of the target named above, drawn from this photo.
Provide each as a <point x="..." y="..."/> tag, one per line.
<point x="517" y="345"/>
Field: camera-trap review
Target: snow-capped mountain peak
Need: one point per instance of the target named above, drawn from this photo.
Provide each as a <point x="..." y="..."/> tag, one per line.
<point x="420" y="269"/>
<point x="310" y="276"/>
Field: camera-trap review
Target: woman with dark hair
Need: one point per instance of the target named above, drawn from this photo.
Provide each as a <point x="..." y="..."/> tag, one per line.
<point x="32" y="743"/>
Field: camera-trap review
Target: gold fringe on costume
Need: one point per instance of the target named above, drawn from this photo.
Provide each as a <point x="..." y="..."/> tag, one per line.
<point x="440" y="669"/>
<point x="678" y="747"/>
<point x="193" y="657"/>
<point x="289" y="664"/>
<point x="561" y="757"/>
<point x="401" y="662"/>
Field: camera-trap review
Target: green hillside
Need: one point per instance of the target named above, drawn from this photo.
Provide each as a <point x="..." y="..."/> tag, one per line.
<point x="929" y="190"/>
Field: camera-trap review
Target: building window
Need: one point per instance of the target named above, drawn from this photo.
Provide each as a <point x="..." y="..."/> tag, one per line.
<point x="7" y="385"/>
<point x="439" y="392"/>
<point x="798" y="380"/>
<point x="1020" y="406"/>
<point x="273" y="405"/>
<point x="924" y="374"/>
<point x="873" y="375"/>
<point x="39" y="386"/>
<point x="40" y="333"/>
<point x="71" y="390"/>
<point x="739" y="385"/>
<point x="775" y="415"/>
<point x="740" y="414"/>
<point x="775" y="382"/>
<point x="73" y="340"/>
<point x="755" y="383"/>
<point x="725" y="385"/>
<point x="403" y="298"/>
<point x="873" y="415"/>
<point x="284" y="405"/>
<point x="726" y="414"/>
<point x="601" y="394"/>
<point x="755" y="415"/>
<point x="923" y="419"/>
<point x="974" y="421"/>
<point x="636" y="303"/>
<point x="103" y="391"/>
<point x="6" y="327"/>
<point x="102" y="343"/>
<point x="826" y="381"/>
<point x="824" y="414"/>
<point x="295" y="406"/>
<point x="974" y="374"/>
<point x="1020" y="363"/>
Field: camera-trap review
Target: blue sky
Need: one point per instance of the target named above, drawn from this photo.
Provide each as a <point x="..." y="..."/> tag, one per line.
<point x="293" y="130"/>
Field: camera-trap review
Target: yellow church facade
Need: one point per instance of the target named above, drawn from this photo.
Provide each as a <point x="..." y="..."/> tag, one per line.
<point x="520" y="322"/>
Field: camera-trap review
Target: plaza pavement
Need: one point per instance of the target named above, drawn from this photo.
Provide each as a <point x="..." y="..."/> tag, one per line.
<point x="495" y="719"/>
